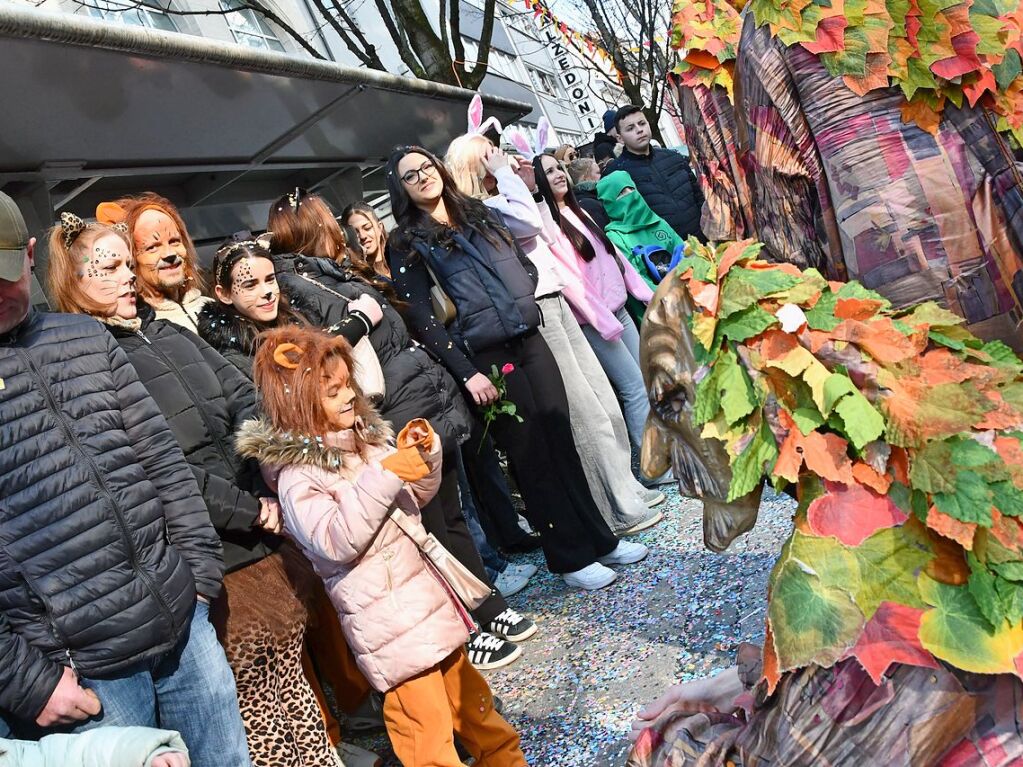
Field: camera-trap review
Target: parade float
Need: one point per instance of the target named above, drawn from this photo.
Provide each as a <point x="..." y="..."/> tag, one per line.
<point x="894" y="628"/>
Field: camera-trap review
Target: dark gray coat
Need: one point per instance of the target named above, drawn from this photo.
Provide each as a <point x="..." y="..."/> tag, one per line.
<point x="104" y="536"/>
<point x="205" y="399"/>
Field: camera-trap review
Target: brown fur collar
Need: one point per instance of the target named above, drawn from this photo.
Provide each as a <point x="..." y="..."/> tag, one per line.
<point x="260" y="440"/>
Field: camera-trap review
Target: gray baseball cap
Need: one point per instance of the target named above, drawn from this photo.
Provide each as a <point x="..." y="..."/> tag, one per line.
<point x="13" y="240"/>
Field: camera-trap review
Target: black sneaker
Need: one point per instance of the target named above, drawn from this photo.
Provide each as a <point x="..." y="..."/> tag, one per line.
<point x="487" y="652"/>
<point x="511" y="626"/>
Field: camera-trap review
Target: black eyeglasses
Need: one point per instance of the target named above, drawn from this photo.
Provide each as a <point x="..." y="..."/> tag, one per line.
<point x="415" y="176"/>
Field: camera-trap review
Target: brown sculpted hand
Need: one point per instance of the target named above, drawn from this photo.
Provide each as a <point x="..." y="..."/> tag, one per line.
<point x="69" y="702"/>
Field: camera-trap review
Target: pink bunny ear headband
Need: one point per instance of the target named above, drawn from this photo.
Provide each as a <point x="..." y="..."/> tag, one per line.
<point x="518" y="139"/>
<point x="477" y="125"/>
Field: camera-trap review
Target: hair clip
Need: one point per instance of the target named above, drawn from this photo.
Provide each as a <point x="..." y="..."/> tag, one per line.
<point x="284" y="349"/>
<point x="295" y="198"/>
<point x="72" y="226"/>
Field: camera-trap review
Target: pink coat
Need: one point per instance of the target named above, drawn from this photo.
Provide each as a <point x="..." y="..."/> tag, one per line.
<point x="396" y="616"/>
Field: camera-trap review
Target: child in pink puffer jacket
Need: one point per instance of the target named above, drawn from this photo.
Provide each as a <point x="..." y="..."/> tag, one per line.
<point x="339" y="480"/>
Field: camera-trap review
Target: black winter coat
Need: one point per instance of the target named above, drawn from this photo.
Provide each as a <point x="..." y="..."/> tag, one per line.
<point x="205" y="399"/>
<point x="104" y="536"/>
<point x="668" y="185"/>
<point x="594" y="208"/>
<point x="416" y="386"/>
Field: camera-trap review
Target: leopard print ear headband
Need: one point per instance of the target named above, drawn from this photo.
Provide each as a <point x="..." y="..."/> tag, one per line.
<point x="72" y="226"/>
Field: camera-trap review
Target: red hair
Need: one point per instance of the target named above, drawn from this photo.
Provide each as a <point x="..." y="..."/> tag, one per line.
<point x="289" y="368"/>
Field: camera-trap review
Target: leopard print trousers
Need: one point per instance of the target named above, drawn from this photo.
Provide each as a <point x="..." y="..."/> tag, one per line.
<point x="264" y="623"/>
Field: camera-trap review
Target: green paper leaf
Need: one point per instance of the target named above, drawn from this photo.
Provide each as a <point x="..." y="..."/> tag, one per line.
<point x="1011" y="595"/>
<point x="1007" y="498"/>
<point x="932" y="470"/>
<point x="1010" y="571"/>
<point x="811" y="622"/>
<point x="743" y="287"/>
<point x="747" y="323"/>
<point x="889" y="562"/>
<point x="822" y="315"/>
<point x="941" y="338"/>
<point x="861" y="422"/>
<point x="969" y="453"/>
<point x="971" y="500"/>
<point x="931" y="314"/>
<point x="982" y="587"/>
<point x="1008" y="69"/>
<point x="956" y="631"/>
<point x="749" y="466"/>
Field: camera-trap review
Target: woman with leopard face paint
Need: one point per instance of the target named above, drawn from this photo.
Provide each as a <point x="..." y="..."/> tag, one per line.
<point x="261" y="614"/>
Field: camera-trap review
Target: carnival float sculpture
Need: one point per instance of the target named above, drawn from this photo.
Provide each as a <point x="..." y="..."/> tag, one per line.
<point x="873" y="140"/>
<point x="894" y="629"/>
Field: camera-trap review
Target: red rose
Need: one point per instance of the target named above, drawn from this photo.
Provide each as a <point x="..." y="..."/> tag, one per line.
<point x="508" y="368"/>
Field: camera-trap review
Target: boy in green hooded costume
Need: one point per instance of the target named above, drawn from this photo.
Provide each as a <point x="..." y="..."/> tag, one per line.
<point x="633" y="223"/>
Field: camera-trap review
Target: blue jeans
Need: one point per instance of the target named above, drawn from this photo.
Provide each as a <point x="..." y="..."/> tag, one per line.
<point x="190" y="690"/>
<point x="620" y="360"/>
<point x="494" y="563"/>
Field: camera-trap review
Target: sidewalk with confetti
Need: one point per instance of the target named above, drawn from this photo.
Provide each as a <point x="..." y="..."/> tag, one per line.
<point x="600" y="656"/>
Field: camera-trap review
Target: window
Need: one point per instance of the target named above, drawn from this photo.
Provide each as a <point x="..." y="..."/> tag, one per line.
<point x="123" y="13"/>
<point x="543" y="82"/>
<point x="498" y="62"/>
<point x="249" y="28"/>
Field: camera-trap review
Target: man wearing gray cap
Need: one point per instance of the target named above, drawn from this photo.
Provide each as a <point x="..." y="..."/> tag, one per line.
<point x="105" y="542"/>
<point x="15" y="265"/>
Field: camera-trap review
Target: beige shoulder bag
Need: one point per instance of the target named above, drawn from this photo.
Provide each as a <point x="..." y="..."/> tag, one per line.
<point x="467" y="587"/>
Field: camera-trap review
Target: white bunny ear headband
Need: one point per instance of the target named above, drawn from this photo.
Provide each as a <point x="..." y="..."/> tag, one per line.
<point x="477" y="125"/>
<point x="517" y="139"/>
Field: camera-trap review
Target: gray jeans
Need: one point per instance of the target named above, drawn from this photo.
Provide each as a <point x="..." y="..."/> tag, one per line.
<point x="598" y="429"/>
<point x="620" y="360"/>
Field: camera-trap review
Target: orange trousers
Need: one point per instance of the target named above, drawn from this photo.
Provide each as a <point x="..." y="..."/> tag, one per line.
<point x="424" y="713"/>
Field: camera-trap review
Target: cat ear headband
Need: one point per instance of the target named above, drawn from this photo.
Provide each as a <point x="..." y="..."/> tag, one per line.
<point x="517" y="139"/>
<point x="477" y="125"/>
<point x="72" y="226"/>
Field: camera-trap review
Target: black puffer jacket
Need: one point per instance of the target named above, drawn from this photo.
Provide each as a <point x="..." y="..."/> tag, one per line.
<point x="416" y="386"/>
<point x="103" y="534"/>
<point x="205" y="399"/>
<point x="668" y="185"/>
<point x="586" y="193"/>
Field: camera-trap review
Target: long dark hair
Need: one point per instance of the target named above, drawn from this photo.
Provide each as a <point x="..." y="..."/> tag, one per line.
<point x="229" y="254"/>
<point x="579" y="241"/>
<point x="412" y="223"/>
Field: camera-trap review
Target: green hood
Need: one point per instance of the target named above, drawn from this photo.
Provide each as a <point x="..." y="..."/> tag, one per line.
<point x="633" y="223"/>
<point x="629" y="213"/>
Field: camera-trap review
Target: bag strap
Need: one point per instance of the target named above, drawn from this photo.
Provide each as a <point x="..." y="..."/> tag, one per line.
<point x="417" y="534"/>
<point x="321" y="286"/>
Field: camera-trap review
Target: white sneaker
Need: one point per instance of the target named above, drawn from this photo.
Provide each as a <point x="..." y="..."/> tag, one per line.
<point x="652" y="497"/>
<point x="626" y="553"/>
<point x="510" y="582"/>
<point x="592" y="577"/>
<point x="526" y="571"/>
<point x="645" y="524"/>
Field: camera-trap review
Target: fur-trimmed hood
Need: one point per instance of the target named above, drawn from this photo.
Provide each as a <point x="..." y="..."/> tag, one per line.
<point x="259" y="439"/>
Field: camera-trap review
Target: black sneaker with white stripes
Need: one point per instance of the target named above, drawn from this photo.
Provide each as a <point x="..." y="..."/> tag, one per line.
<point x="487" y="652"/>
<point x="511" y="626"/>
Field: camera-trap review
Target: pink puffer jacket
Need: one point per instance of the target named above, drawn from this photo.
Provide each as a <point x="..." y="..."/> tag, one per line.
<point x="396" y="616"/>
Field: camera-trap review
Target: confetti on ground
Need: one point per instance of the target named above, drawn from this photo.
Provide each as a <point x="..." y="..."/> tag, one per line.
<point x="600" y="656"/>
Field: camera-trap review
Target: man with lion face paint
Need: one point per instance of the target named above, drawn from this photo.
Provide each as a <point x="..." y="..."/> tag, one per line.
<point x="165" y="258"/>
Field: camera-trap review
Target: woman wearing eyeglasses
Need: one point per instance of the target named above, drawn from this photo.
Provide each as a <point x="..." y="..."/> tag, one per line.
<point x="476" y="262"/>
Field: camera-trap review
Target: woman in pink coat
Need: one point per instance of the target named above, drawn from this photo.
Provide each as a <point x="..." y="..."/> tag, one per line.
<point x="339" y="479"/>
